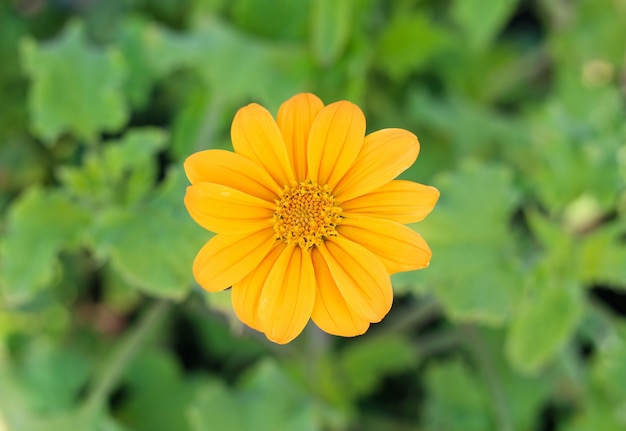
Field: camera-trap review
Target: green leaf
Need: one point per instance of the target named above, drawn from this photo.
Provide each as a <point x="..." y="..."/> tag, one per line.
<point x="158" y="393"/>
<point x="463" y="129"/>
<point x="121" y="173"/>
<point x="603" y="254"/>
<point x="72" y="419"/>
<point x="40" y="224"/>
<point x="544" y="323"/>
<point x="331" y="23"/>
<point x="608" y="370"/>
<point x="250" y="68"/>
<point x="366" y="363"/>
<point x="597" y="415"/>
<point x="267" y="400"/>
<point x="260" y="17"/>
<point x="596" y="257"/>
<point x="559" y="253"/>
<point x="40" y="387"/>
<point x="275" y="401"/>
<point x="132" y="41"/>
<point x="75" y="87"/>
<point x="481" y="22"/>
<point x="152" y="245"/>
<point x="215" y="407"/>
<point x="570" y="159"/>
<point x="130" y="162"/>
<point x="474" y="271"/>
<point x="44" y="377"/>
<point x="193" y="124"/>
<point x="233" y="65"/>
<point x="408" y="43"/>
<point x="457" y="399"/>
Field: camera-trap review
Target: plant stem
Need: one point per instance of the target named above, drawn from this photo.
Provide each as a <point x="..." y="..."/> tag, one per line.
<point x="437" y="341"/>
<point x="423" y="312"/>
<point x="478" y="348"/>
<point x="122" y="355"/>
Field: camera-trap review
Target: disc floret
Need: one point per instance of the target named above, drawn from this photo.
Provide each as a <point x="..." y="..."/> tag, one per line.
<point x="306" y="215"/>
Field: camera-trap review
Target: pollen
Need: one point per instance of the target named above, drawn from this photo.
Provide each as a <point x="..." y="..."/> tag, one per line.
<point x="306" y="215"/>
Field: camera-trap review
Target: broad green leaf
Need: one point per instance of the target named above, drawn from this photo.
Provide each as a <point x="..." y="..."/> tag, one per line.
<point x="408" y="43"/>
<point x="190" y="126"/>
<point x="237" y="66"/>
<point x="474" y="271"/>
<point x="558" y="254"/>
<point x="167" y="51"/>
<point x="195" y="125"/>
<point x="366" y="362"/>
<point x="570" y="159"/>
<point x="132" y="41"/>
<point x="274" y="401"/>
<point x="74" y="419"/>
<point x="594" y="32"/>
<point x="481" y="21"/>
<point x="152" y="245"/>
<point x="77" y="420"/>
<point x="544" y="323"/>
<point x="457" y="399"/>
<point x="75" y="87"/>
<point x="266" y="401"/>
<point x="596" y="415"/>
<point x="260" y="17"/>
<point x="40" y="224"/>
<point x="608" y="370"/>
<point x="158" y="393"/>
<point x="131" y="163"/>
<point x="509" y="73"/>
<point x="602" y="256"/>
<point x="462" y="128"/>
<point x="52" y="375"/>
<point x="233" y="65"/>
<point x="40" y="387"/>
<point x="595" y="257"/>
<point x="122" y="172"/>
<point x="331" y="23"/>
<point x="216" y="407"/>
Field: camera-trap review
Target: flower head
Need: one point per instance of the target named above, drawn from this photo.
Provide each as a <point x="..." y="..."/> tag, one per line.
<point x="308" y="216"/>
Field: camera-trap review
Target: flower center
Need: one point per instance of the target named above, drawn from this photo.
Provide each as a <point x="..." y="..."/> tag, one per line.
<point x="306" y="215"/>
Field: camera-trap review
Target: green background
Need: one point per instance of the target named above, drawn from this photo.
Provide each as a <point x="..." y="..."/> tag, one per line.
<point x="518" y="323"/>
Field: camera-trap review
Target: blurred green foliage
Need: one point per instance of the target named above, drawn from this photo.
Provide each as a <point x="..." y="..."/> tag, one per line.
<point x="519" y="322"/>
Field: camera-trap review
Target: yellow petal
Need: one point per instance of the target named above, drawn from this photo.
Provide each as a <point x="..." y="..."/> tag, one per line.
<point x="399" y="200"/>
<point x="385" y="155"/>
<point x="226" y="259"/>
<point x="256" y="136"/>
<point x="331" y="313"/>
<point x="288" y="295"/>
<point x="294" y="120"/>
<point x="398" y="247"/>
<point x="334" y="142"/>
<point x="232" y="170"/>
<point x="246" y="293"/>
<point x="360" y="276"/>
<point x="224" y="210"/>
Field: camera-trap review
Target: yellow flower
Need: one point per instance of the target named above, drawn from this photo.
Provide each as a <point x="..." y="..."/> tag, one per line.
<point x="308" y="217"/>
